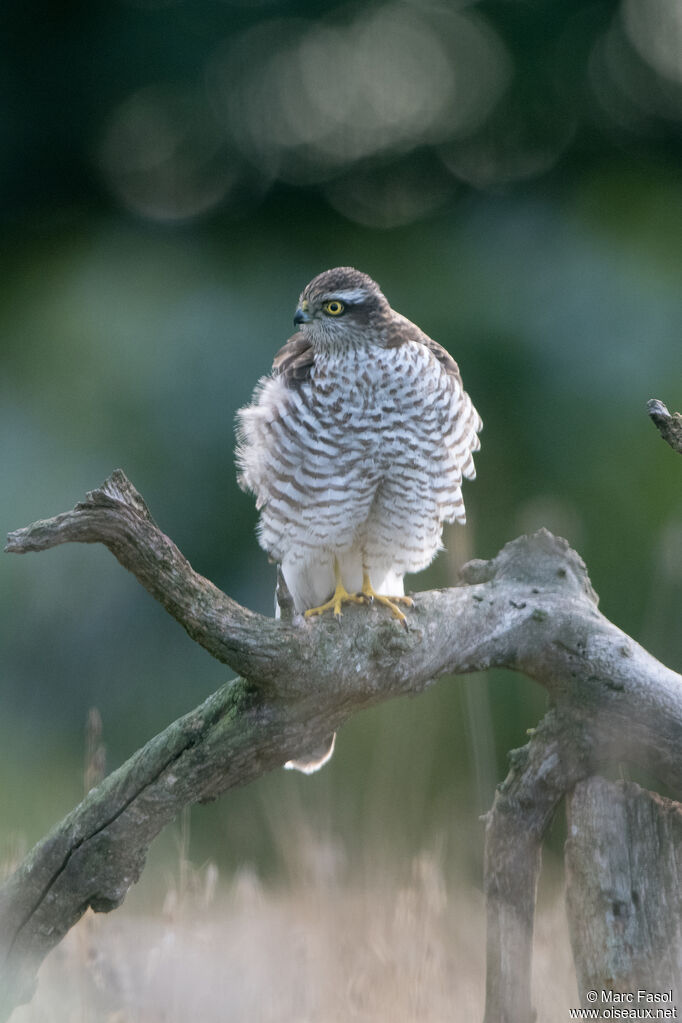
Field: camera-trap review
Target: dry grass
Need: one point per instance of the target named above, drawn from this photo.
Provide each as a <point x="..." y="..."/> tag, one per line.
<point x="393" y="944"/>
<point x="319" y="951"/>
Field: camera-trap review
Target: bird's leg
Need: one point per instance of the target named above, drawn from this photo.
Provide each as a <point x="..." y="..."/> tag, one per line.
<point x="369" y="593"/>
<point x="340" y="596"/>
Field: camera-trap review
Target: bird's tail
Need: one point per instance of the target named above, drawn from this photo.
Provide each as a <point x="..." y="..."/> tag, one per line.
<point x="313" y="759"/>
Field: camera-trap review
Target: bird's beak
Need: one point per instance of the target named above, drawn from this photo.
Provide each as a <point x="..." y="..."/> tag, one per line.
<point x="302" y="315"/>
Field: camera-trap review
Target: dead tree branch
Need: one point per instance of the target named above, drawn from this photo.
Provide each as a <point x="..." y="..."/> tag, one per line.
<point x="531" y="609"/>
<point x="540" y="775"/>
<point x="668" y="424"/>
<point x="625" y="917"/>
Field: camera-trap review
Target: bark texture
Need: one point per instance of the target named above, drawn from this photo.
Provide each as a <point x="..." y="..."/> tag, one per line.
<point x="540" y="775"/>
<point x="624" y="894"/>
<point x="531" y="609"/>
<point x="668" y="424"/>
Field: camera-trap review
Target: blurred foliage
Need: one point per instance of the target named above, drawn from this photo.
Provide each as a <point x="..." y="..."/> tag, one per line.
<point x="171" y="175"/>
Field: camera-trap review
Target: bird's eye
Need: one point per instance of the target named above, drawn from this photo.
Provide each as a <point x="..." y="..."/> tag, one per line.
<point x="334" y="308"/>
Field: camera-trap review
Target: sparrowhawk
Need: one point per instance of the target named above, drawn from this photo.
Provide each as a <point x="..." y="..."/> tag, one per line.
<point x="355" y="448"/>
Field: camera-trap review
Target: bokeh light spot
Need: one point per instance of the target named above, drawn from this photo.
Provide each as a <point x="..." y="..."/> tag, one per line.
<point x="163" y="155"/>
<point x="654" y="27"/>
<point x="310" y="99"/>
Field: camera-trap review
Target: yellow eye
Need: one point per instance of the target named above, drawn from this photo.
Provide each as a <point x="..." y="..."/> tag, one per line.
<point x="334" y="308"/>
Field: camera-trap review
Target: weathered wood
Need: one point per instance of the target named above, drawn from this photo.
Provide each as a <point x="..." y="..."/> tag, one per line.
<point x="540" y="774"/>
<point x="668" y="424"/>
<point x="531" y="609"/>
<point x="624" y="889"/>
<point x="513" y="841"/>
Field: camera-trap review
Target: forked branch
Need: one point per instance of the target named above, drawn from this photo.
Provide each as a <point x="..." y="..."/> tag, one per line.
<point x="531" y="609"/>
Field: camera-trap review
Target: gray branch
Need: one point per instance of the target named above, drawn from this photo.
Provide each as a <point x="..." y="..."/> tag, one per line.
<point x="531" y="609"/>
<point x="668" y="424"/>
<point x="541" y="774"/>
<point x="626" y="917"/>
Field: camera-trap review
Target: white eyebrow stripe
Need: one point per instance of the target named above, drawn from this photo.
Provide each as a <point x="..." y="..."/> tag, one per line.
<point x="350" y="296"/>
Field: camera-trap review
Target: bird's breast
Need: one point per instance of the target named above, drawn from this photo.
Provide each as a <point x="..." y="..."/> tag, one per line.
<point x="372" y="388"/>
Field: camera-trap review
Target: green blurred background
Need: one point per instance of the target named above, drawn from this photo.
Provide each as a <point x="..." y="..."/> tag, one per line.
<point x="172" y="173"/>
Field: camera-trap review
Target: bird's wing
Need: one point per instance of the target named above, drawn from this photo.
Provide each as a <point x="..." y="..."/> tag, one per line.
<point x="402" y="330"/>
<point x="443" y="356"/>
<point x="470" y="423"/>
<point x="294" y="360"/>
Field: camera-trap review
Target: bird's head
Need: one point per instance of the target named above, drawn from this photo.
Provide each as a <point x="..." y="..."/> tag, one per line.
<point x="342" y="305"/>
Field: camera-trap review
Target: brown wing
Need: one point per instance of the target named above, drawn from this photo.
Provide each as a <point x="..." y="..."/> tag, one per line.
<point x="443" y="356"/>
<point x="402" y="330"/>
<point x="294" y="360"/>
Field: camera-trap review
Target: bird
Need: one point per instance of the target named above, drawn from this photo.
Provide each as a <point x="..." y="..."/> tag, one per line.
<point x="355" y="447"/>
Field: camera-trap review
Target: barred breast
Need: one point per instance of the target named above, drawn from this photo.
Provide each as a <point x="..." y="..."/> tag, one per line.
<point x="362" y="460"/>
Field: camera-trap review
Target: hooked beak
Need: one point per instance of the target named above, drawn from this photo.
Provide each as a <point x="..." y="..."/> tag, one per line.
<point x="302" y="315"/>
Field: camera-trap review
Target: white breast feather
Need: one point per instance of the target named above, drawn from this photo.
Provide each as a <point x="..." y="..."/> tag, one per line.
<point x="363" y="462"/>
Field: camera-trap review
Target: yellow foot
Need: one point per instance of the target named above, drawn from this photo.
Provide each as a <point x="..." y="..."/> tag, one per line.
<point x="370" y="594"/>
<point x="341" y="596"/>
